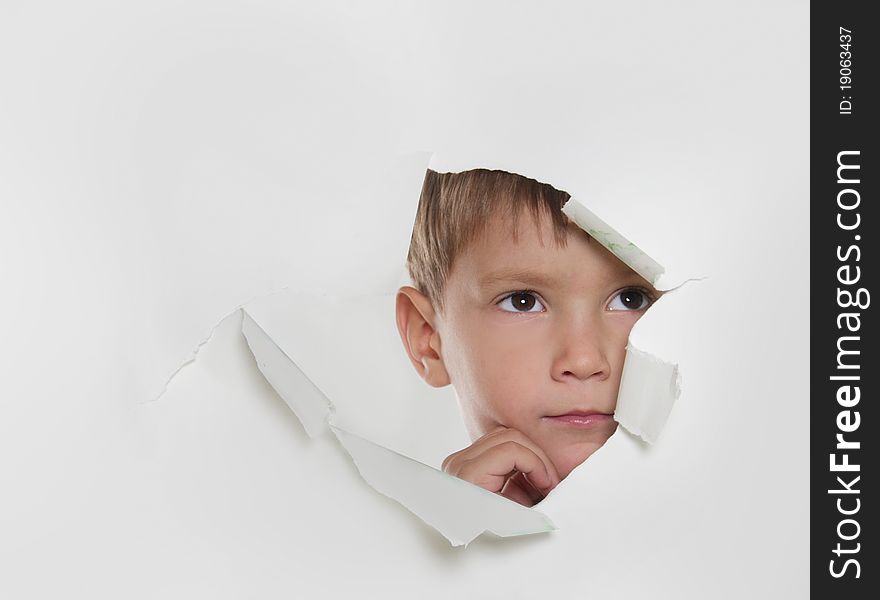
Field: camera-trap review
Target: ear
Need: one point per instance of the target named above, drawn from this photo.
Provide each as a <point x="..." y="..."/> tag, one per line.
<point x="416" y="322"/>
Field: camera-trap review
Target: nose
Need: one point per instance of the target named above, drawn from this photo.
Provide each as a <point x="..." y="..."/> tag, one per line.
<point x="582" y="351"/>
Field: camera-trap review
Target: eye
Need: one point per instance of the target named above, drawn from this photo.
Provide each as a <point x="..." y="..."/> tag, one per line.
<point x="630" y="299"/>
<point x="524" y="302"/>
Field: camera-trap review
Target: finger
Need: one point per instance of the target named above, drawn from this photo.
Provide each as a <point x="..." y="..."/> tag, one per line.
<point x="514" y="492"/>
<point x="534" y="492"/>
<point x="469" y="452"/>
<point x="520" y="438"/>
<point x="495" y="437"/>
<point x="452" y="463"/>
<point x="519" y="489"/>
<point x="491" y="468"/>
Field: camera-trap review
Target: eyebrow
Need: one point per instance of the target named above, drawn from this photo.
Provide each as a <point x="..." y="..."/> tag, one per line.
<point x="523" y="275"/>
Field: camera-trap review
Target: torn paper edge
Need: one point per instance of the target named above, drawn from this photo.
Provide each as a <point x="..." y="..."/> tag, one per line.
<point x="194" y="353"/>
<point x="312" y="408"/>
<point x="631" y="255"/>
<point x="459" y="510"/>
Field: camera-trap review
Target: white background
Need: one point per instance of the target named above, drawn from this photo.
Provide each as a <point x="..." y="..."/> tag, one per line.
<point x="163" y="162"/>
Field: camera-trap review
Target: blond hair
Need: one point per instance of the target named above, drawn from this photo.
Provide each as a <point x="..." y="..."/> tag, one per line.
<point x="454" y="208"/>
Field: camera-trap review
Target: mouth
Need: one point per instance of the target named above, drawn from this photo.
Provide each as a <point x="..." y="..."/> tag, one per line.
<point x="581" y="419"/>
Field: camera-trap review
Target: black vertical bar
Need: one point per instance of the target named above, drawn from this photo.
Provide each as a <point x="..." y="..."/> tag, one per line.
<point x="844" y="369"/>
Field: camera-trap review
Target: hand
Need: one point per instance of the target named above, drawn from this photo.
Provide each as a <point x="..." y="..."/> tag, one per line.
<point x="506" y="462"/>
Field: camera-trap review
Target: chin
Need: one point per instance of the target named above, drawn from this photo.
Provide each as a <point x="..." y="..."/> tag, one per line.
<point x="568" y="459"/>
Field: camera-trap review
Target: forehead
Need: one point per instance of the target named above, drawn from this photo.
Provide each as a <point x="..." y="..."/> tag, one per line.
<point x="526" y="250"/>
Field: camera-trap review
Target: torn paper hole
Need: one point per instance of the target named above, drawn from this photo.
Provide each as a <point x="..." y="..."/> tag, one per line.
<point x="298" y="360"/>
<point x="457" y="509"/>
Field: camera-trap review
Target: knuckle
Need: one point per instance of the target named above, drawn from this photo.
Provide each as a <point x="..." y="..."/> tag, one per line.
<point x="469" y="471"/>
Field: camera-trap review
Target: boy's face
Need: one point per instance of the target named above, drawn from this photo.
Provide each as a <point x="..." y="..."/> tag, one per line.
<point x="533" y="336"/>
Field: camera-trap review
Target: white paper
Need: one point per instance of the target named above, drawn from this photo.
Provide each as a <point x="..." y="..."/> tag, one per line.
<point x="166" y="161"/>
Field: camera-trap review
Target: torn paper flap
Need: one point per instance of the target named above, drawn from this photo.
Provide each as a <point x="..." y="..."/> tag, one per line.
<point x="456" y="508"/>
<point x="649" y="387"/>
<point x="621" y="247"/>
<point x="303" y="397"/>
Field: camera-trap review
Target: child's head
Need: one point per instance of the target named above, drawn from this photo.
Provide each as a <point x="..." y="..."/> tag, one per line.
<point x="519" y="309"/>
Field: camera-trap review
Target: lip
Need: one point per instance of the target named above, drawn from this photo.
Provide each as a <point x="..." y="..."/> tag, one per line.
<point x="581" y="419"/>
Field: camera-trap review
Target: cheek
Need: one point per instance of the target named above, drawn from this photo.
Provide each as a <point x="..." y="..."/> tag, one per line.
<point x="619" y="329"/>
<point x="618" y="335"/>
<point x="501" y="363"/>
